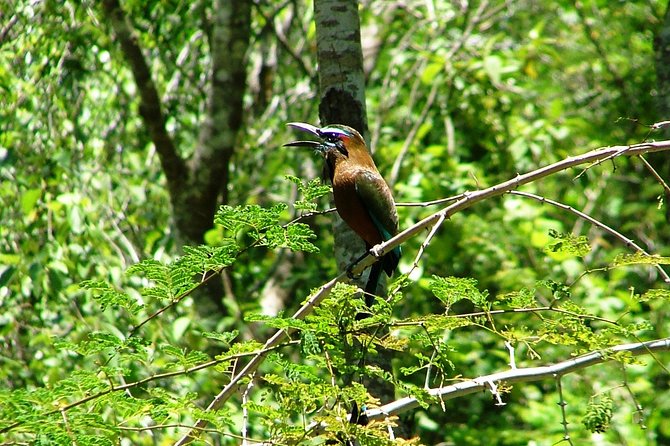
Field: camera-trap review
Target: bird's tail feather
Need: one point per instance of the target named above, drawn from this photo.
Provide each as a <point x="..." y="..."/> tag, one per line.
<point x="373" y="280"/>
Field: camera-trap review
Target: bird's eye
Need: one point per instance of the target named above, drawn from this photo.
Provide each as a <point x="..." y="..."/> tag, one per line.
<point x="337" y="142"/>
<point x="331" y="136"/>
<point x="336" y="138"/>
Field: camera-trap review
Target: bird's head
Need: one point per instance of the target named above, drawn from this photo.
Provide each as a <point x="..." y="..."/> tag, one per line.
<point x="336" y="141"/>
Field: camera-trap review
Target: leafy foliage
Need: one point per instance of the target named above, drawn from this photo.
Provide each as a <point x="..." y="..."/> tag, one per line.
<point x="568" y="243"/>
<point x="599" y="414"/>
<point x="106" y="338"/>
<point x="452" y="289"/>
<point x="311" y="191"/>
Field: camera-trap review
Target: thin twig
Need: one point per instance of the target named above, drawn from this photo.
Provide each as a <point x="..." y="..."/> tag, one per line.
<point x="411" y="136"/>
<point x="424" y="204"/>
<point x="245" y="411"/>
<point x="639" y="411"/>
<point x="476" y="314"/>
<point x="562" y="403"/>
<point x="512" y="359"/>
<point x="655" y="174"/>
<point x="423" y="247"/>
<point x="169" y="426"/>
<point x="493" y="388"/>
<point x="627" y="241"/>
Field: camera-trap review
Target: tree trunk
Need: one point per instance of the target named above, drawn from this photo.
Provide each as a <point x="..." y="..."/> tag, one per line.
<point x="662" y="50"/>
<point x="342" y="93"/>
<point x="196" y="186"/>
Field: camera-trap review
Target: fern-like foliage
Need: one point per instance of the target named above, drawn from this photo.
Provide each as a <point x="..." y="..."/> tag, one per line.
<point x="108" y="296"/>
<point x="598" y="414"/>
<point x="263" y="226"/>
<point x="310" y="192"/>
<point x="452" y="289"/>
<point x="568" y="243"/>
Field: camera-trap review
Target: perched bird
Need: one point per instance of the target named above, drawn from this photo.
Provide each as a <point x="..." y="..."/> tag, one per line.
<point x="362" y="197"/>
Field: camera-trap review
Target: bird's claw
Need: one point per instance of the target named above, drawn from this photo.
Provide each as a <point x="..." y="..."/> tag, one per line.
<point x="351" y="275"/>
<point x="376" y="251"/>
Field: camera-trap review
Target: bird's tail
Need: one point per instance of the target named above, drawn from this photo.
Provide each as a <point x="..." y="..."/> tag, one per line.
<point x="371" y="288"/>
<point x="373" y="281"/>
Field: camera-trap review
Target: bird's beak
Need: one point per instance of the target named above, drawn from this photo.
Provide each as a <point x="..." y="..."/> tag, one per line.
<point x="309" y="128"/>
<point x="305" y="128"/>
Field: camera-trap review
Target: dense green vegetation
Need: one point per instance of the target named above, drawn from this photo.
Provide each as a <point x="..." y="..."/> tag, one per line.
<point x="123" y="315"/>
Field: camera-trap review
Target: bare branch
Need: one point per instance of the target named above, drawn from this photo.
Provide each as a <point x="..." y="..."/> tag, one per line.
<point x="656" y="175"/>
<point x="7" y="28"/>
<point x="528" y="374"/>
<point x="562" y="404"/>
<point x="257" y="360"/>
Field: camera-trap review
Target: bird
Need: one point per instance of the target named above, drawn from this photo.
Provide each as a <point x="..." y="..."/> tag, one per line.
<point x="362" y="198"/>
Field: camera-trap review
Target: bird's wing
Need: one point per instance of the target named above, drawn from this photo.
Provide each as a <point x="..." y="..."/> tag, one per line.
<point x="378" y="201"/>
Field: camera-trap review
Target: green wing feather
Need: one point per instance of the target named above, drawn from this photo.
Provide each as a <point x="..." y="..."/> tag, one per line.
<point x="378" y="201"/>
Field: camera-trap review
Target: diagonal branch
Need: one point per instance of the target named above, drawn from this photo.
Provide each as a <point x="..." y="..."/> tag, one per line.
<point x="150" y="103"/>
<point x="528" y="374"/>
<point x="251" y="367"/>
<point x="471" y="198"/>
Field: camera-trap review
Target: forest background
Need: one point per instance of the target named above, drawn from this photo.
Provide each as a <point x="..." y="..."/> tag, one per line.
<point x="154" y="233"/>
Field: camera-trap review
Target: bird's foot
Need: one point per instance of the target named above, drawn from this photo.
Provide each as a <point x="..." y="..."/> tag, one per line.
<point x="350" y="273"/>
<point x="376" y="250"/>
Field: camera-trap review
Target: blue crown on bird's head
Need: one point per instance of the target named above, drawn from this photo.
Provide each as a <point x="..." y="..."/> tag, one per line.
<point x="332" y="136"/>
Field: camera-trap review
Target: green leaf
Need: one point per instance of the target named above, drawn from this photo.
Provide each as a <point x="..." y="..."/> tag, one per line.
<point x="309" y="191"/>
<point x="108" y="296"/>
<point x="522" y="298"/>
<point x="252" y="218"/>
<point x="226" y="337"/>
<point x="568" y="243"/>
<point x="493" y="66"/>
<point x="598" y="414"/>
<point x="169" y="281"/>
<point x="295" y="236"/>
<point x="558" y="290"/>
<point x="179" y="326"/>
<point x="431" y="71"/>
<point x="95" y="342"/>
<point x="452" y="289"/>
<point x="184" y="359"/>
<point x="309" y="343"/>
<point x="640" y="259"/>
<point x="29" y="200"/>
<point x="202" y="259"/>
